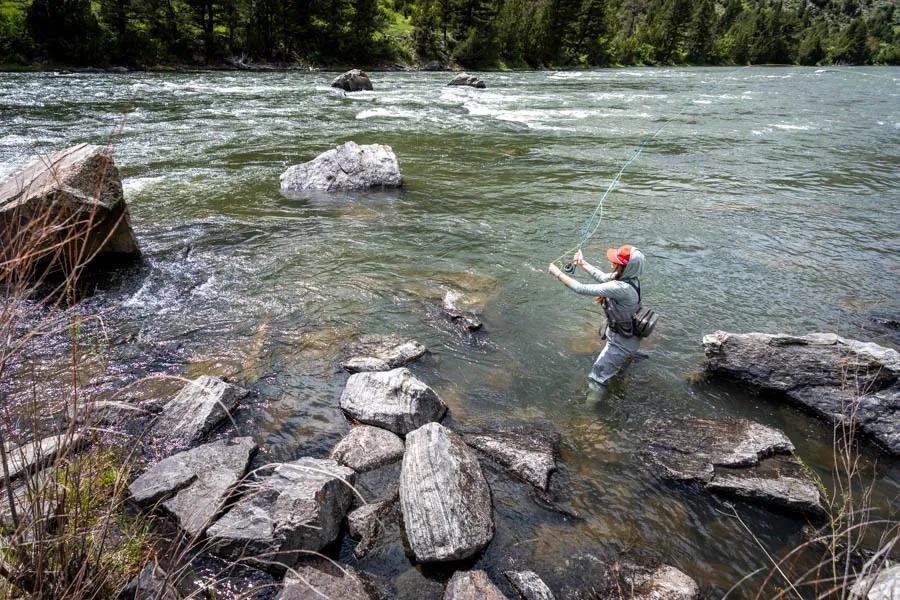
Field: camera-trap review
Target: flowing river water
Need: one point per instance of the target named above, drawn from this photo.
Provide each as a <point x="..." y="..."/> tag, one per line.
<point x="769" y="203"/>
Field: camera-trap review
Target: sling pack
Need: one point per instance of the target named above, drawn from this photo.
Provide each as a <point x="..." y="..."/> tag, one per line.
<point x="641" y="323"/>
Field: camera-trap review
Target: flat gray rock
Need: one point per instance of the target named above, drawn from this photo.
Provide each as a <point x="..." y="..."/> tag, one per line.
<point x="737" y="458"/>
<point x="199" y="407"/>
<point x="319" y="578"/>
<point x="77" y="194"/>
<point x="353" y="80"/>
<point x="346" y="167"/>
<point x="193" y="486"/>
<point x="395" y="400"/>
<point x="366" y="448"/>
<point x="663" y="583"/>
<point x="299" y="507"/>
<point x="528" y="453"/>
<point x="366" y="523"/>
<point x="445" y="499"/>
<point x="34" y="499"/>
<point x="472" y="585"/>
<point x="812" y="370"/>
<point x="34" y="456"/>
<point x="884" y="585"/>
<point x="381" y="353"/>
<point x="152" y="583"/>
<point x="468" y="80"/>
<point x="529" y="585"/>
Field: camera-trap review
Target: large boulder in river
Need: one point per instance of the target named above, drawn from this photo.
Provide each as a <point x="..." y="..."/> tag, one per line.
<point x="353" y="80"/>
<point x="198" y="408"/>
<point x="193" y="486"/>
<point x="737" y="458"/>
<point x="381" y="353"/>
<point x="445" y="499"/>
<point x="395" y="400"/>
<point x="64" y="210"/>
<point x="347" y="167"/>
<point x="838" y="378"/>
<point x="366" y="448"/>
<point x="469" y="80"/>
<point x="528" y="451"/>
<point x="299" y="507"/>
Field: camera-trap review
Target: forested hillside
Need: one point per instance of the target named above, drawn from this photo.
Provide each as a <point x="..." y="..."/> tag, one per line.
<point x="469" y="33"/>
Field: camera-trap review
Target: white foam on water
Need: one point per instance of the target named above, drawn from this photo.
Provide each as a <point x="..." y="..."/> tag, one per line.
<point x="133" y="185"/>
<point x="15" y="140"/>
<point x="387" y="113"/>
<point x="790" y="127"/>
<point x="701" y="101"/>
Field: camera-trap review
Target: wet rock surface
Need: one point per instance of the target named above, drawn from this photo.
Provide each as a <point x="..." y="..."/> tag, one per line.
<point x="77" y="194"/>
<point x="445" y="499"/>
<point x="528" y="451"/>
<point x="354" y="80"/>
<point x="152" y="583"/>
<point x="300" y="506"/>
<point x="366" y="448"/>
<point x="472" y="585"/>
<point x="394" y="400"/>
<point x="316" y="577"/>
<point x="381" y="353"/>
<point x="200" y="406"/>
<point x="193" y="486"/>
<point x="812" y="370"/>
<point x="366" y="523"/>
<point x="529" y="585"/>
<point x="738" y="458"/>
<point x="346" y="167"/>
<point x="469" y="80"/>
<point x="884" y="585"/>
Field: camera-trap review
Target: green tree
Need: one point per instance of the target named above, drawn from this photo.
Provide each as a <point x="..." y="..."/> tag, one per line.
<point x="812" y="48"/>
<point x="66" y="30"/>
<point x="853" y="44"/>
<point x="702" y="34"/>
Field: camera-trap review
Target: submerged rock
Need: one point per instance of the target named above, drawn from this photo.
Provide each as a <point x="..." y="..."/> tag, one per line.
<point x="395" y="400"/>
<point x="529" y="585"/>
<point x="347" y="167"/>
<point x="193" y="486"/>
<point x="366" y="523"/>
<point x="527" y="451"/>
<point x="317" y="577"/>
<point x="663" y="583"/>
<point x="299" y="507"/>
<point x="838" y="378"/>
<point x="198" y="408"/>
<point x="353" y="80"/>
<point x="736" y="458"/>
<point x="381" y="353"/>
<point x="469" y="80"/>
<point x="65" y="206"/>
<point x="445" y="499"/>
<point x="366" y="448"/>
<point x="472" y="585"/>
<point x="453" y="304"/>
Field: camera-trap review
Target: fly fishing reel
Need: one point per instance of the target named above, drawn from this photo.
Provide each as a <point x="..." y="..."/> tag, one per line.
<point x="569" y="268"/>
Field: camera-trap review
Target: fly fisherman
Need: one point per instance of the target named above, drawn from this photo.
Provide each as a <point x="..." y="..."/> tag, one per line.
<point x="619" y="293"/>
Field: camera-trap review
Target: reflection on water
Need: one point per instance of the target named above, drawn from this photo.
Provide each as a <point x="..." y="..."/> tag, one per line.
<point x="750" y="207"/>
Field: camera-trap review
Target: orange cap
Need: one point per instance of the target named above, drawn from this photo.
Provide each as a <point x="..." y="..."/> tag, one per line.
<point x="620" y="255"/>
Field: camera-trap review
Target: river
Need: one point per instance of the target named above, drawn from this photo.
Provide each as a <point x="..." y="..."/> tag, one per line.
<point x="770" y="202"/>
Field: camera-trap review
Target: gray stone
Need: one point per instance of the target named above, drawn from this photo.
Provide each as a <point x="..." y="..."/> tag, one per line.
<point x="193" y="486"/>
<point x="737" y="458"/>
<point x="319" y="578"/>
<point x="839" y="379"/>
<point x="366" y="523"/>
<point x="459" y="309"/>
<point x="34" y="499"/>
<point x="435" y="65"/>
<point x="353" y="80"/>
<point x="381" y="353"/>
<point x="152" y="583"/>
<point x="529" y="453"/>
<point x="72" y="203"/>
<point x="200" y="406"/>
<point x="529" y="585"/>
<point x="883" y="585"/>
<point x="472" y="585"/>
<point x="111" y="412"/>
<point x="346" y="167"/>
<point x="663" y="583"/>
<point x="469" y="80"/>
<point x="445" y="499"/>
<point x="366" y="448"/>
<point x="299" y="507"/>
<point x="395" y="400"/>
<point x="34" y="456"/>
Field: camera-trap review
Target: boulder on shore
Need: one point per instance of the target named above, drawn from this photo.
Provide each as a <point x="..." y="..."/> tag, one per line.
<point x="317" y="577"/>
<point x="737" y="458"/>
<point x="33" y="456"/>
<point x="381" y="353"/>
<point x="366" y="448"/>
<point x="527" y="451"/>
<point x="354" y="80"/>
<point x="346" y="167"/>
<point x="194" y="486"/>
<point x="366" y="523"/>
<point x="472" y="585"/>
<point x="469" y="80"/>
<point x="838" y="378"/>
<point x="299" y="507"/>
<point x="394" y="400"/>
<point x="65" y="209"/>
<point x="445" y="499"/>
<point x="196" y="410"/>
